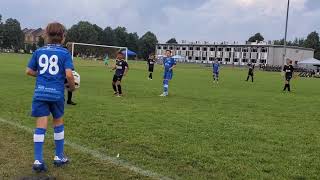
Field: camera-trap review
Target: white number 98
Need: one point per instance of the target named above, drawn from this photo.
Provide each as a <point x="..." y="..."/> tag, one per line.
<point x="52" y="64"/>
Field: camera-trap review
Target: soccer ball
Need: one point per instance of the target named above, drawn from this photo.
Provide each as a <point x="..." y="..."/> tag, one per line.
<point x="76" y="77"/>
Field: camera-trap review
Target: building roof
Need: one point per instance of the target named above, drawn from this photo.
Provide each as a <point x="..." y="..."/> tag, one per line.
<point x="34" y="32"/>
<point x="238" y="45"/>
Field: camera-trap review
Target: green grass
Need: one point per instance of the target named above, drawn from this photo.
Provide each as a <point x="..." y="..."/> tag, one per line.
<point x="236" y="130"/>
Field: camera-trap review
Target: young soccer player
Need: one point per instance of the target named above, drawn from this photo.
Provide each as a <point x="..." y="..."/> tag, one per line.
<point x="169" y="64"/>
<point x="288" y="70"/>
<point x="250" y="72"/>
<point x="106" y="60"/>
<point x="216" y="70"/>
<point x="121" y="69"/>
<point x="50" y="65"/>
<point x="151" y="61"/>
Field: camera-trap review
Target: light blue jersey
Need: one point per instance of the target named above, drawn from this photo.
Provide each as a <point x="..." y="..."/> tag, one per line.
<point x="216" y="68"/>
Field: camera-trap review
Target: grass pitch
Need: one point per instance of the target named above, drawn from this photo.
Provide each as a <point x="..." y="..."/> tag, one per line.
<point x="234" y="130"/>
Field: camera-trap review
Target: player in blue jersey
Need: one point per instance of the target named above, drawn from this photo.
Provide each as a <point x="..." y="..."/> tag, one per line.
<point x="50" y="65"/>
<point x="216" y="70"/>
<point x="169" y="64"/>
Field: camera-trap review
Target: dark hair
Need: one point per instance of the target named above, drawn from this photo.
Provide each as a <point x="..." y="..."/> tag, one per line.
<point x="55" y="32"/>
<point x="168" y="51"/>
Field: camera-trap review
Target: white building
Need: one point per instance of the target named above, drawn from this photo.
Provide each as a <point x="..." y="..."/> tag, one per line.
<point x="236" y="54"/>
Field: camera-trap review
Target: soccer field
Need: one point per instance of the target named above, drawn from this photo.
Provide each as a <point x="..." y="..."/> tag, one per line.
<point x="234" y="130"/>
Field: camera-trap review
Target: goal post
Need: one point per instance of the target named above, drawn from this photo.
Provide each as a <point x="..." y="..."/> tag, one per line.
<point x="75" y="44"/>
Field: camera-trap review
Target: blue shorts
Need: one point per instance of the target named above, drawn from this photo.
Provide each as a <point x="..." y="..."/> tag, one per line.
<point x="44" y="108"/>
<point x="168" y="75"/>
<point x="216" y="74"/>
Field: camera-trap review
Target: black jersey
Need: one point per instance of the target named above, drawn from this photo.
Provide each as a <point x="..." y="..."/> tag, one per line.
<point x="251" y="68"/>
<point x="288" y="69"/>
<point x="121" y="66"/>
<point x="151" y="62"/>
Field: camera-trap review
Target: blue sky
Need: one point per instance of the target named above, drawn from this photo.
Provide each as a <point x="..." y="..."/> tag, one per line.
<point x="203" y="20"/>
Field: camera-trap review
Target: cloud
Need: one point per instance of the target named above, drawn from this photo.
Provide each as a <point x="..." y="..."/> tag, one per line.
<point x="206" y="20"/>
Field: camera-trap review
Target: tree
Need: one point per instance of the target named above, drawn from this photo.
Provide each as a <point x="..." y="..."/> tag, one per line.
<point x="83" y="32"/>
<point x="172" y="41"/>
<point x="313" y="42"/>
<point x="13" y="36"/>
<point x="1" y="31"/>
<point x="257" y="37"/>
<point x="120" y="34"/>
<point x="132" y="41"/>
<point x="147" y="44"/>
<point x="40" y="42"/>
<point x="108" y="37"/>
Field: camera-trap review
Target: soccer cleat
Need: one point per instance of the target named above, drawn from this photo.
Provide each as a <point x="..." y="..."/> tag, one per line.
<point x="58" y="162"/>
<point x="39" y="167"/>
<point x="115" y="93"/>
<point x="119" y="95"/>
<point x="71" y="103"/>
<point x="164" y="94"/>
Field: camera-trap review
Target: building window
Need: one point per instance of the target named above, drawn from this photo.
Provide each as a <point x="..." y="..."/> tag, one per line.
<point x="184" y="48"/>
<point x="219" y="59"/>
<point x="190" y="57"/>
<point x="220" y="49"/>
<point x="211" y="59"/>
<point x="190" y="48"/>
<point x="253" y="60"/>
<point x="227" y="59"/>
<point x="263" y="61"/>
<point x="236" y="60"/>
<point x="228" y="49"/>
<point x="204" y="58"/>
<point x="237" y="49"/>
<point x="204" y="49"/>
<point x="212" y="49"/>
<point x="177" y="48"/>
<point x="254" y="50"/>
<point x="165" y="47"/>
<point x="159" y="47"/>
<point x="198" y="48"/>
<point x="197" y="58"/>
<point x="171" y="48"/>
<point x="244" y="60"/>
<point x="264" y="50"/>
<point x="244" y="50"/>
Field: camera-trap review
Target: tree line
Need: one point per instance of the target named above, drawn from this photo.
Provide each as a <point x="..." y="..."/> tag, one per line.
<point x="312" y="41"/>
<point x="12" y="37"/>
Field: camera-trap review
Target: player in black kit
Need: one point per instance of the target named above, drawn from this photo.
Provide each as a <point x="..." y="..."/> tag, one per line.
<point x="121" y="69"/>
<point x="150" y="62"/>
<point x="288" y="70"/>
<point x="251" y="71"/>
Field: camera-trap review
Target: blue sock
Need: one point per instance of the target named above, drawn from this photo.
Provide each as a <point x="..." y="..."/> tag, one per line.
<point x="38" y="139"/>
<point x="59" y="140"/>
<point x="165" y="86"/>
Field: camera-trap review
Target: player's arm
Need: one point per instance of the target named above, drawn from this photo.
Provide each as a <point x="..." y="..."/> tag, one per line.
<point x="126" y="70"/>
<point x="70" y="80"/>
<point x="174" y="65"/>
<point x="31" y="72"/>
<point x="32" y="66"/>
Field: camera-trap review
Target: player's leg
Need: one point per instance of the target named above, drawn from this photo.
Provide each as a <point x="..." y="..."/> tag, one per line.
<point x="289" y="88"/>
<point x="57" y="111"/>
<point x="118" y="83"/>
<point x="40" y="110"/>
<point x="217" y="77"/>
<point x="114" y="81"/>
<point x="285" y="85"/>
<point x="252" y="77"/>
<point x="248" y="77"/>
<point x="69" y="101"/>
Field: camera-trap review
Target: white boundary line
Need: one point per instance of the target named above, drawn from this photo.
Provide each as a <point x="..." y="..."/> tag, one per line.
<point x="96" y="154"/>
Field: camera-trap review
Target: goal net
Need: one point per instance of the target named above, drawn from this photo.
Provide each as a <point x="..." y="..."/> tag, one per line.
<point x="95" y="51"/>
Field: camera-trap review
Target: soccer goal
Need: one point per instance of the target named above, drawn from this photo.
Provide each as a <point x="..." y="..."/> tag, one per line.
<point x="95" y="51"/>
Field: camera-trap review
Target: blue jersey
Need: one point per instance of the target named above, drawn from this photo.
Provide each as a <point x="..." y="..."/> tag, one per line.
<point x="216" y="68"/>
<point x="168" y="63"/>
<point x="50" y="63"/>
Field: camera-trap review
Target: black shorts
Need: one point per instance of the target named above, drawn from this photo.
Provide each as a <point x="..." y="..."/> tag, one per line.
<point x="288" y="77"/>
<point x="151" y="68"/>
<point x="250" y="74"/>
<point x="117" y="78"/>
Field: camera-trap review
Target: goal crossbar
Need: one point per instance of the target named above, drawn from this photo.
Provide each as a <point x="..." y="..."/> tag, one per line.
<point x="98" y="45"/>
